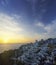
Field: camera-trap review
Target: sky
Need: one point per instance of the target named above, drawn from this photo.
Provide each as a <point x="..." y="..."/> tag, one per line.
<point x="24" y="21"/>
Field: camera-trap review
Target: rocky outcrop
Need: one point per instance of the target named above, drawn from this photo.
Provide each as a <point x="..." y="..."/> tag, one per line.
<point x="39" y="54"/>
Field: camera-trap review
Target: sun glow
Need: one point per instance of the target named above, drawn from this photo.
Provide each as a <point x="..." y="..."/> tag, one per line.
<point x="5" y="40"/>
<point x="11" y="31"/>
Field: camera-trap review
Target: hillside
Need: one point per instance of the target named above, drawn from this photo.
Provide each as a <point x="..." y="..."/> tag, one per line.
<point x="41" y="52"/>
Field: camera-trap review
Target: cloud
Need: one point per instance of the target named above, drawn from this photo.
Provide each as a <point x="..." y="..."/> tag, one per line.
<point x="33" y="6"/>
<point x="4" y="2"/>
<point x="50" y="30"/>
<point x="39" y="24"/>
<point x="9" y="26"/>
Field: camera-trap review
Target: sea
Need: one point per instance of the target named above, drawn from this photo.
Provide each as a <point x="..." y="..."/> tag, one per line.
<point x="6" y="47"/>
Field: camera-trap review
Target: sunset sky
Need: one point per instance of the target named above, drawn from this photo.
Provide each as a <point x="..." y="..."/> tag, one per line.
<point x="27" y="20"/>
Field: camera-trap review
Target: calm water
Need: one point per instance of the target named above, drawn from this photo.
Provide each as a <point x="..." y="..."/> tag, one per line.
<point x="7" y="47"/>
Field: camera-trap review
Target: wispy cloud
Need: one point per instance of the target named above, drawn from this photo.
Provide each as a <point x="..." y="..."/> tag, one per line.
<point x="50" y="29"/>
<point x="39" y="24"/>
<point x="4" y="2"/>
<point x="9" y="26"/>
<point x="33" y="6"/>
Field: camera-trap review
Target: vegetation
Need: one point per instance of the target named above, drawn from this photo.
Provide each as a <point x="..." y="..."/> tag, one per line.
<point x="6" y="57"/>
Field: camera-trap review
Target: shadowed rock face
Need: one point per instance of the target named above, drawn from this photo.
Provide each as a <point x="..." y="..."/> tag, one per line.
<point x="39" y="54"/>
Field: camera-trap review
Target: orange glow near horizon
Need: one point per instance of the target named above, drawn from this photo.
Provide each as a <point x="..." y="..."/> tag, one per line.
<point x="11" y="31"/>
<point x="16" y="40"/>
<point x="22" y="40"/>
